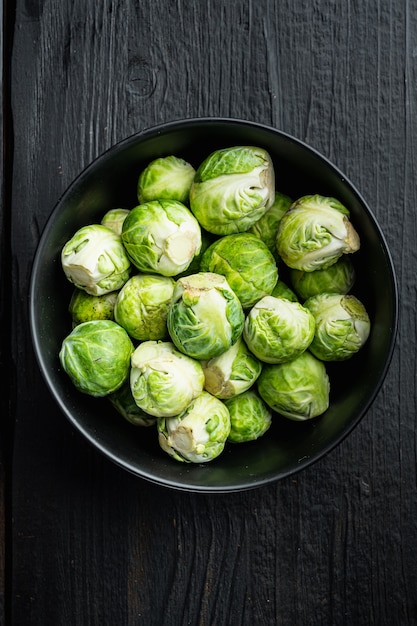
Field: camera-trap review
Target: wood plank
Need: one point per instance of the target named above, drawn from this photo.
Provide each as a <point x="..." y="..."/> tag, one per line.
<point x="5" y="288"/>
<point x="3" y="322"/>
<point x="335" y="544"/>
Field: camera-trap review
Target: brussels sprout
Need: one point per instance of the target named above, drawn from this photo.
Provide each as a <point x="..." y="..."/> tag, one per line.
<point x="277" y="330"/>
<point x="250" y="417"/>
<point x="114" y="219"/>
<point x="194" y="267"/>
<point x="338" y="278"/>
<point x="163" y="380"/>
<point x="84" y="307"/>
<point x="266" y="227"/>
<point x="142" y="306"/>
<point x="281" y="290"/>
<point x="199" y="434"/>
<point x="124" y="403"/>
<point x="298" y="389"/>
<point x="206" y="317"/>
<point x="161" y="237"/>
<point x="232" y="372"/>
<point x="247" y="264"/>
<point x="95" y="260"/>
<point x="232" y="189"/>
<point x="342" y="326"/>
<point x="315" y="232"/>
<point x="96" y="357"/>
<point x="166" y="178"/>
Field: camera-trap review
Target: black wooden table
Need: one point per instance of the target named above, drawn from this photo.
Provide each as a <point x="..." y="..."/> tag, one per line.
<point x="82" y="542"/>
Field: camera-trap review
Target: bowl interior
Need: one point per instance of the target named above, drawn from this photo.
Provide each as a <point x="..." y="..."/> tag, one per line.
<point x="110" y="182"/>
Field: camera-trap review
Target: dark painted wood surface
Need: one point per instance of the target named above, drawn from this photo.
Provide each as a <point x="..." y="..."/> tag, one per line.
<point x="83" y="543"/>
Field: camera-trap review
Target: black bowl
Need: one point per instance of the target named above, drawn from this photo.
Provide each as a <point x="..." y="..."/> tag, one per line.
<point x="109" y="182"/>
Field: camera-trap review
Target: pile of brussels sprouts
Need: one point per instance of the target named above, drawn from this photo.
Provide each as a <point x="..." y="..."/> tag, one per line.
<point x="180" y="315"/>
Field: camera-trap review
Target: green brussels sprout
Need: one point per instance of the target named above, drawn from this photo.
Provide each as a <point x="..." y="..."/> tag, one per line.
<point x="124" y="403"/>
<point x="206" y="317"/>
<point x="161" y="236"/>
<point x="278" y="330"/>
<point x="96" y="357"/>
<point x="232" y="189"/>
<point x="342" y="326"/>
<point x="315" y="232"/>
<point x="266" y="227"/>
<point x="199" y="433"/>
<point x="194" y="267"/>
<point x="114" y="219"/>
<point x="247" y="264"/>
<point x="250" y="417"/>
<point x="298" y="389"/>
<point x="231" y="373"/>
<point x="166" y="178"/>
<point x="95" y="260"/>
<point x="163" y="380"/>
<point x="281" y="290"/>
<point x="142" y="306"/>
<point x="84" y="307"/>
<point x="338" y="278"/>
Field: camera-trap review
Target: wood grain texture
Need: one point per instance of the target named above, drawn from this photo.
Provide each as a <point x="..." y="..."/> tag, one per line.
<point x="334" y="545"/>
<point x="5" y="310"/>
